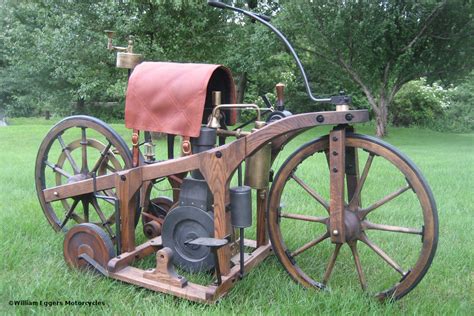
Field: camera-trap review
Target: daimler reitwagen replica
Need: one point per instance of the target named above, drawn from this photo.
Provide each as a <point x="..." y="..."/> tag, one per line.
<point x="194" y="208"/>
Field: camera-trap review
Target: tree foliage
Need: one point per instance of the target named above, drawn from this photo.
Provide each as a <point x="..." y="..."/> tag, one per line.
<point x="459" y="113"/>
<point x="382" y="45"/>
<point x="53" y="56"/>
<point x="419" y="104"/>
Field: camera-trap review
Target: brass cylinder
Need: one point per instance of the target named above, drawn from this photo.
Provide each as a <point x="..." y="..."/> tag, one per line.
<point x="257" y="168"/>
<point x="342" y="107"/>
<point x="128" y="60"/>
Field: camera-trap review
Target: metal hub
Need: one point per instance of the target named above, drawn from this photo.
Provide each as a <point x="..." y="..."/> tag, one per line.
<point x="182" y="225"/>
<point x="352" y="225"/>
<point x="90" y="239"/>
<point x="78" y="177"/>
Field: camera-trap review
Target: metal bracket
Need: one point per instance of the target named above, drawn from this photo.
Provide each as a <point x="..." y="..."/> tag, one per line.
<point x="214" y="244"/>
<point x="93" y="263"/>
<point x="337" y="161"/>
<point x="116" y="210"/>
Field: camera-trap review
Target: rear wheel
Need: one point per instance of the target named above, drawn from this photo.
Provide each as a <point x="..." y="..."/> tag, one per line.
<point x="73" y="150"/>
<point x="391" y="213"/>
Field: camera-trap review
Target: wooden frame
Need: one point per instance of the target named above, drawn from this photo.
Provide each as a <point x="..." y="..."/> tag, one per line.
<point x="217" y="166"/>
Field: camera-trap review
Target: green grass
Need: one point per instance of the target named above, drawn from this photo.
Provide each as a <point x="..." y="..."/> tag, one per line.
<point x="32" y="265"/>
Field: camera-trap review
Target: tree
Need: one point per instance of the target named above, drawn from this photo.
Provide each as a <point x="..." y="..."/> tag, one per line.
<point x="381" y="45"/>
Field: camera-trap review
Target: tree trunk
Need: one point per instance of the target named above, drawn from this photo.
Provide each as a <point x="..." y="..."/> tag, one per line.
<point x="80" y="106"/>
<point x="241" y="87"/>
<point x="381" y="116"/>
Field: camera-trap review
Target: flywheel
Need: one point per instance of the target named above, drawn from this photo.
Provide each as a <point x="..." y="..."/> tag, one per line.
<point x="182" y="225"/>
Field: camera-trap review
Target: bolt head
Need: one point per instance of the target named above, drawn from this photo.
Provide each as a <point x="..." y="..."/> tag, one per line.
<point x="335" y="232"/>
<point x="56" y="193"/>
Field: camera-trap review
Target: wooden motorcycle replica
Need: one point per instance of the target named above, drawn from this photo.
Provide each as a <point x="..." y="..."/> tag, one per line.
<point x="93" y="187"/>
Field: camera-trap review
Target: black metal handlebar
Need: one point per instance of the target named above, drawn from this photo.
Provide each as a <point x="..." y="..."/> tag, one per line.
<point x="265" y="21"/>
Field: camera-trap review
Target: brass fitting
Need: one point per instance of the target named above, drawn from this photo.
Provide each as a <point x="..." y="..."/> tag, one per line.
<point x="125" y="56"/>
<point x="215" y="116"/>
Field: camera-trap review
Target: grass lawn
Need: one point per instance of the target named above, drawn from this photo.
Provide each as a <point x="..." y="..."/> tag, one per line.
<point x="32" y="265"/>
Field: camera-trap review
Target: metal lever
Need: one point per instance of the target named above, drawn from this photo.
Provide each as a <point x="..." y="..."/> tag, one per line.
<point x="280" y="89"/>
<point x="93" y="263"/>
<point x="221" y="5"/>
<point x="213" y="244"/>
<point x="111" y="47"/>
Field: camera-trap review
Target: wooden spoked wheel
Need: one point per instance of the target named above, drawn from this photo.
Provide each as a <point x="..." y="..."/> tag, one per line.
<point x="391" y="225"/>
<point x="73" y="150"/>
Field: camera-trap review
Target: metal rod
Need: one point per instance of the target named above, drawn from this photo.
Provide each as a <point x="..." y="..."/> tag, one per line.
<point x="239" y="175"/>
<point x="236" y="106"/>
<point x="242" y="268"/>
<point x="218" y="270"/>
<point x="249" y="121"/>
<point x="219" y="4"/>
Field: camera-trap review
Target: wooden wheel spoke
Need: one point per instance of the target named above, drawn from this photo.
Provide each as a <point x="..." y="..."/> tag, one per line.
<point x="110" y="168"/>
<point x="103" y="155"/>
<point x="85" y="206"/>
<point x="363" y="212"/>
<point x="382" y="254"/>
<point x="84" y="168"/>
<point x="69" y="213"/>
<point x="311" y="192"/>
<point x="109" y="201"/>
<point x="99" y="212"/>
<point x="360" y="272"/>
<point x="307" y="218"/>
<point x="103" y="219"/>
<point x="330" y="266"/>
<point x="310" y="244"/>
<point x="389" y="228"/>
<point x="67" y="152"/>
<point x="77" y="218"/>
<point x="57" y="169"/>
<point x="360" y="184"/>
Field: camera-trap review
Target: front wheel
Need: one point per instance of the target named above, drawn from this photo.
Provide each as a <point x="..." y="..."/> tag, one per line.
<point x="391" y="213"/>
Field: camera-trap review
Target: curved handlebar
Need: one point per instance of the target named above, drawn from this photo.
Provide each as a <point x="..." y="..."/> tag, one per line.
<point x="265" y="21"/>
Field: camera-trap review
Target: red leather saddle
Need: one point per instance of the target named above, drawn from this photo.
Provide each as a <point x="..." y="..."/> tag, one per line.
<point x="175" y="98"/>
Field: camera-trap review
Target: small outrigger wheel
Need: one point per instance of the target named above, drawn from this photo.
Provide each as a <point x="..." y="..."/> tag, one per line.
<point x="86" y="245"/>
<point x="75" y="149"/>
<point x="391" y="223"/>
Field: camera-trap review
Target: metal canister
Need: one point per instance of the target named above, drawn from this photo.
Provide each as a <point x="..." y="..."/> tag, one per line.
<point x="257" y="166"/>
<point x="241" y="206"/>
<point x="205" y="141"/>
